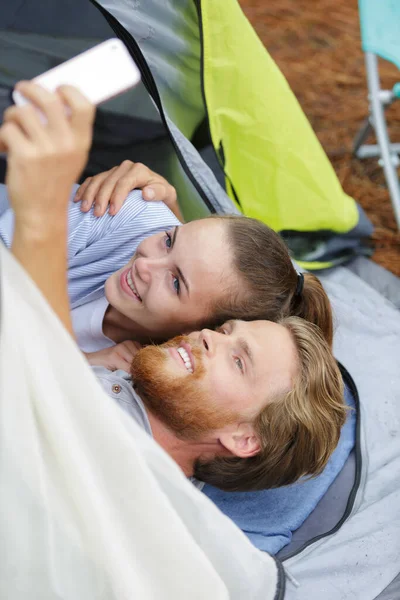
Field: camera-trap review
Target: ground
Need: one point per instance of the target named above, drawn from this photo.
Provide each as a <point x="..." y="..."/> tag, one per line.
<point x="317" y="46"/>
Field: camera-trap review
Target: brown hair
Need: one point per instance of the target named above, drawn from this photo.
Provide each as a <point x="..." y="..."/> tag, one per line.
<point x="298" y="431"/>
<point x="270" y="280"/>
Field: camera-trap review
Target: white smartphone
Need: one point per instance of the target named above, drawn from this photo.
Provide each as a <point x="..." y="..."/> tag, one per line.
<point x="100" y="73"/>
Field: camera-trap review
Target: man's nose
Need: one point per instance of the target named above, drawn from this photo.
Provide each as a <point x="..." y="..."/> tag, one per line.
<point x="146" y="267"/>
<point x="210" y="340"/>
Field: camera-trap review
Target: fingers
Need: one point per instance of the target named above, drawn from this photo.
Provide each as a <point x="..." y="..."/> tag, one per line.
<point x="49" y="104"/>
<point x="124" y="354"/>
<point x="158" y="192"/>
<point x="110" y="189"/>
<point x="11" y="137"/>
<point x="128" y="349"/>
<point x="116" y="357"/>
<point x="132" y="346"/>
<point x="106" y="194"/>
<point x="88" y="191"/>
<point x="98" y="190"/>
<point x="29" y="120"/>
<point x="81" y="189"/>
<point x="67" y="115"/>
<point x="129" y="176"/>
<point x="81" y="112"/>
<point x="137" y="176"/>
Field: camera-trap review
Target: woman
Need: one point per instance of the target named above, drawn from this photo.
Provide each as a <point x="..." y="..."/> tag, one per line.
<point x="142" y="275"/>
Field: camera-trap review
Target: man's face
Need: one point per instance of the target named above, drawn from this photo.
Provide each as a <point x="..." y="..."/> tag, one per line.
<point x="209" y="380"/>
<point x="174" y="278"/>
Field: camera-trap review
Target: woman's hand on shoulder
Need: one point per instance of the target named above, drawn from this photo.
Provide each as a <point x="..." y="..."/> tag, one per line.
<point x="116" y="357"/>
<point x="108" y="190"/>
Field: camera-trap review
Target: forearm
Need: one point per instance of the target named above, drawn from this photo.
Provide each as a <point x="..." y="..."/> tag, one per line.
<point x="42" y="251"/>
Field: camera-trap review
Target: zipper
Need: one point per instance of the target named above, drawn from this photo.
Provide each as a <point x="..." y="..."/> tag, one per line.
<point x="220" y="154"/>
<point x="347" y="378"/>
<point x="281" y="583"/>
<point x="150" y="84"/>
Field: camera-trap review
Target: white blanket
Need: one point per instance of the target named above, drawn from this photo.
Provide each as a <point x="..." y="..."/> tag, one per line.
<point x="90" y="506"/>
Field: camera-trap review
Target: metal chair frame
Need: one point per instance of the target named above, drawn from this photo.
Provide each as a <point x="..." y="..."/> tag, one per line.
<point x="389" y="153"/>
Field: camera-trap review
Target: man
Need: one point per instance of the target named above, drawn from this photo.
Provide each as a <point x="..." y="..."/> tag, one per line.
<point x="250" y="406"/>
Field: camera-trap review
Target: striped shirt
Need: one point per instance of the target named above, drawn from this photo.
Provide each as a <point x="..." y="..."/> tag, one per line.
<point x="97" y="247"/>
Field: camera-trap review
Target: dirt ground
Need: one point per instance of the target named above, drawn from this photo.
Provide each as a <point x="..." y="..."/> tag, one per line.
<point x="316" y="44"/>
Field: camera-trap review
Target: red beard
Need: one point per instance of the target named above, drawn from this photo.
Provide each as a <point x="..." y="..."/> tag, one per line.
<point x="181" y="403"/>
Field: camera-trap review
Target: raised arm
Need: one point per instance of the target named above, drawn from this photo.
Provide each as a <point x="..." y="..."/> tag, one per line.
<point x="45" y="155"/>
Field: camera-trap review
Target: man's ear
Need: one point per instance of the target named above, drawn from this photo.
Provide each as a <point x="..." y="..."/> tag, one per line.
<point x="242" y="441"/>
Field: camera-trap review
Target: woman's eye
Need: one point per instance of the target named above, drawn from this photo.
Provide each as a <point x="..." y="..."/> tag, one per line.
<point x="239" y="363"/>
<point x="176" y="284"/>
<point x="168" y="240"/>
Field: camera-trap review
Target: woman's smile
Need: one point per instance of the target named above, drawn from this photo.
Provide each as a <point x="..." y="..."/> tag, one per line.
<point x="128" y="284"/>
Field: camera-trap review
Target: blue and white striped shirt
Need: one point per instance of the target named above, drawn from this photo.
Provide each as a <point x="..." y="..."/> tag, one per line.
<point x="97" y="247"/>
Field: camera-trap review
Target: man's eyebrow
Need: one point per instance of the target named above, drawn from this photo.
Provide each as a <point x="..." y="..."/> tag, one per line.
<point x="181" y="275"/>
<point x="244" y="346"/>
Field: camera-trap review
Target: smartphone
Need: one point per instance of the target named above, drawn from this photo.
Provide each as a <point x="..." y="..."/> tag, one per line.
<point x="100" y="73"/>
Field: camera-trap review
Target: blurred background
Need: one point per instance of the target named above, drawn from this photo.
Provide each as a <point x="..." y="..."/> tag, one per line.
<point x="317" y="46"/>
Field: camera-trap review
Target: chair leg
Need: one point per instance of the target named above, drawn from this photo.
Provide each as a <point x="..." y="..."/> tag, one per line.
<point x="382" y="133"/>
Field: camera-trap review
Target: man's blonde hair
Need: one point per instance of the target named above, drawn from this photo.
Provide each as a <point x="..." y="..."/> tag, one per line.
<point x="297" y="431"/>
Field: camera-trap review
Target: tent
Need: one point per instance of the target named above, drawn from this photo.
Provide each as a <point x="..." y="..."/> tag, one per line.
<point x="197" y="80"/>
<point x="353" y="551"/>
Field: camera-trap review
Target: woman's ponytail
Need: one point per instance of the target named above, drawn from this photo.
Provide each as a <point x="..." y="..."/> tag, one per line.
<point x="313" y="305"/>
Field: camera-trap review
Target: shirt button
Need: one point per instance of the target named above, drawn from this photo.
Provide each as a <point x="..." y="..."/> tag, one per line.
<point x="116" y="388"/>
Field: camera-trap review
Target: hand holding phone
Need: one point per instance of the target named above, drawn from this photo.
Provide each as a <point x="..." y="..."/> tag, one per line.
<point x="44" y="161"/>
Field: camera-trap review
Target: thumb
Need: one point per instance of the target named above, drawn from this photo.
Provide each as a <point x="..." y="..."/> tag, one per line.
<point x="156" y="192"/>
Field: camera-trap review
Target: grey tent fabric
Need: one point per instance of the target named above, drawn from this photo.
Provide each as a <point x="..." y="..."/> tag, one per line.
<point x="392" y="592"/>
<point x="361" y="559"/>
<point x="203" y="174"/>
<point x="168" y="34"/>
<point x="328" y="512"/>
<point x="377" y="277"/>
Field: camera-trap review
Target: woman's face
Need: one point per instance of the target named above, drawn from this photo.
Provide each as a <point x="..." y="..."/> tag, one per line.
<point x="173" y="280"/>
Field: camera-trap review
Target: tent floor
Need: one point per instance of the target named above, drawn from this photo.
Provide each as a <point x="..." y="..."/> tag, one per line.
<point x="387" y="284"/>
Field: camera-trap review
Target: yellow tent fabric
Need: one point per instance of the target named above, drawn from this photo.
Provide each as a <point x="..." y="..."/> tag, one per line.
<point x="273" y="161"/>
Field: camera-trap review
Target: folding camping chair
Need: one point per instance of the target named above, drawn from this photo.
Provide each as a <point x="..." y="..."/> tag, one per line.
<point x="380" y="27"/>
